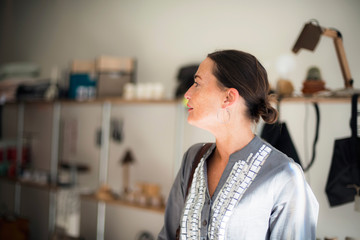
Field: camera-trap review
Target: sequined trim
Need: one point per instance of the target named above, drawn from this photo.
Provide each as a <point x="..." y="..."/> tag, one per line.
<point x="238" y="181"/>
<point x="190" y="222"/>
<point x="240" y="178"/>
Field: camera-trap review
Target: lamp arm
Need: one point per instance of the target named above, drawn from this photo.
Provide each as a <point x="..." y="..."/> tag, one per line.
<point x="340" y="52"/>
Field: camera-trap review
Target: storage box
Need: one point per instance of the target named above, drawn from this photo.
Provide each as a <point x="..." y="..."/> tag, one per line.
<point x="83" y="66"/>
<point x="115" y="64"/>
<point x="112" y="73"/>
<point x="112" y="84"/>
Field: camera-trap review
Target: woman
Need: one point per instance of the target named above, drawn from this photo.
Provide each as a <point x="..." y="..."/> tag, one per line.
<point x="243" y="188"/>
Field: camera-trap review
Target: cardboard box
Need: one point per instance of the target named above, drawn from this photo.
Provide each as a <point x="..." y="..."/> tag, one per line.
<point x="112" y="73"/>
<point x="112" y="84"/>
<point x="115" y="64"/>
<point x="83" y="66"/>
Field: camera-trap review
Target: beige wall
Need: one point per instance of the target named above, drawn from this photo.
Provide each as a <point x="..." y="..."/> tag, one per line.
<point x="163" y="35"/>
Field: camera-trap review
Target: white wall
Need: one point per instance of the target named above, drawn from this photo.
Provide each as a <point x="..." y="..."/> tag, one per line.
<point x="163" y="35"/>
<point x="339" y="221"/>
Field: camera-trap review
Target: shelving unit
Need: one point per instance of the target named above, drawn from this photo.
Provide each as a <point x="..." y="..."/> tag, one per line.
<point x="107" y="106"/>
<point x="49" y="187"/>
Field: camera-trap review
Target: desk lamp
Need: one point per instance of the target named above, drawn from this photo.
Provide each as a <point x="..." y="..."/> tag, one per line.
<point x="309" y="38"/>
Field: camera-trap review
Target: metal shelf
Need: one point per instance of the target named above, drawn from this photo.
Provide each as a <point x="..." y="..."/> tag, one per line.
<point x="44" y="186"/>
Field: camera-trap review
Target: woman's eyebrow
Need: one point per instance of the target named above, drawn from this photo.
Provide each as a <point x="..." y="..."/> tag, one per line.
<point x="196" y="76"/>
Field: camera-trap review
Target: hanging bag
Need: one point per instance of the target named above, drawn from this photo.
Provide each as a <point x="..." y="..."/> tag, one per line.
<point x="344" y="176"/>
<point x="278" y="136"/>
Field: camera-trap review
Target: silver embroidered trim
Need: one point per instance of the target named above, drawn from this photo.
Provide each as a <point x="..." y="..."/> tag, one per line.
<point x="239" y="179"/>
<point x="191" y="220"/>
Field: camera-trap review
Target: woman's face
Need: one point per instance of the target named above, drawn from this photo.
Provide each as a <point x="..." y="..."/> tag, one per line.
<point x="205" y="97"/>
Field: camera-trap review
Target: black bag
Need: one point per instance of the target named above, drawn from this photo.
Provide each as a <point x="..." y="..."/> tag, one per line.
<point x="344" y="175"/>
<point x="278" y="136"/>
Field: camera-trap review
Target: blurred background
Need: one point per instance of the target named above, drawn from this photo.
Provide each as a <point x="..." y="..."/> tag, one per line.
<point x="83" y="147"/>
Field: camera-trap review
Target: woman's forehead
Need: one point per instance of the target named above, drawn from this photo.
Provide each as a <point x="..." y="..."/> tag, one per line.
<point x="205" y="69"/>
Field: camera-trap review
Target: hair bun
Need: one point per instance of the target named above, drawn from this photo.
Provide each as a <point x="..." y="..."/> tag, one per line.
<point x="268" y="113"/>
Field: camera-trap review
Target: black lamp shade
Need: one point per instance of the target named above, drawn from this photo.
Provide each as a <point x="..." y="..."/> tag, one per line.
<point x="308" y="38"/>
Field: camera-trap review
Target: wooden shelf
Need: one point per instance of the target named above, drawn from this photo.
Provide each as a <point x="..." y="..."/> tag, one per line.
<point x="117" y="100"/>
<point x="311" y="99"/>
<point x="92" y="197"/>
<point x="113" y="100"/>
<point x="44" y="186"/>
<point x="315" y="99"/>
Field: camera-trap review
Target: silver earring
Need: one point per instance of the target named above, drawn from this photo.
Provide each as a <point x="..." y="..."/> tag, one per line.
<point x="223" y="115"/>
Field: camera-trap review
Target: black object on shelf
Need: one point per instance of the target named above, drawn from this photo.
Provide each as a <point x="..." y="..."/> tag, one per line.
<point x="185" y="79"/>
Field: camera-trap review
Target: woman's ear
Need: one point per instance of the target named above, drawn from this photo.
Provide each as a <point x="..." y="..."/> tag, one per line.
<point x="232" y="95"/>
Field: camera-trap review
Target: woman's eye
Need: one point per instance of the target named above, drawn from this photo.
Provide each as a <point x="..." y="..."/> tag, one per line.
<point x="196" y="84"/>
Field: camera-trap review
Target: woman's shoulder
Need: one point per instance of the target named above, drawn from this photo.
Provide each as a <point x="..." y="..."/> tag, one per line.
<point x="279" y="163"/>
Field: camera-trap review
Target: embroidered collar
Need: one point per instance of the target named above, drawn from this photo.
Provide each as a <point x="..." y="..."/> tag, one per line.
<point x="244" y="171"/>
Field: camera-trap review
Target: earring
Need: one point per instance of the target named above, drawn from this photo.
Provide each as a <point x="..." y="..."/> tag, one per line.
<point x="223" y="115"/>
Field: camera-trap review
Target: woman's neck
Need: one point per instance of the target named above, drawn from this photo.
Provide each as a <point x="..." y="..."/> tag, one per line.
<point x="230" y="140"/>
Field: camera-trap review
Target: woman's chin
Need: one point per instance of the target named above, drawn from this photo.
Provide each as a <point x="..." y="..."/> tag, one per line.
<point x="195" y="123"/>
<point x="192" y="121"/>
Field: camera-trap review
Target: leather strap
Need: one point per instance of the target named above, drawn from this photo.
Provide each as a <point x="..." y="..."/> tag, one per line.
<point x="353" y="121"/>
<point x="317" y="111"/>
<point x="196" y="162"/>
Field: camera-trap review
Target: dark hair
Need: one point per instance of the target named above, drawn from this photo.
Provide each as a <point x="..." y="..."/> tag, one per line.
<point x="242" y="71"/>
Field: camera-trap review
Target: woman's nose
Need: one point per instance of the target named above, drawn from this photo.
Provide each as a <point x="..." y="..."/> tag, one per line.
<point x="187" y="94"/>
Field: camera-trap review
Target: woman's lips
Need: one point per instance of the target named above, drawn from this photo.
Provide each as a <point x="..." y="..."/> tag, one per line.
<point x="189" y="108"/>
